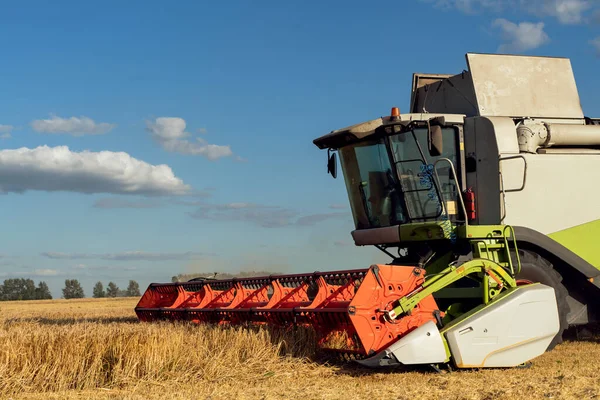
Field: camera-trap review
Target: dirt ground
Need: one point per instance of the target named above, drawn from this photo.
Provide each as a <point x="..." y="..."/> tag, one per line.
<point x="96" y="349"/>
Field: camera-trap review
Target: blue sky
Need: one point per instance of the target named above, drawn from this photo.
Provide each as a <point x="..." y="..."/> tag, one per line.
<point x="145" y="139"/>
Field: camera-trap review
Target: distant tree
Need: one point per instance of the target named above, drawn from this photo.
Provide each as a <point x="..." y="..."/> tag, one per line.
<point x="99" y="290"/>
<point x="133" y="290"/>
<point x="73" y="289"/>
<point x="112" y="290"/>
<point x="42" y="292"/>
<point x="18" y="289"/>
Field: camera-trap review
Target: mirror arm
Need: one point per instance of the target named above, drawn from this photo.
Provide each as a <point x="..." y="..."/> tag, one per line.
<point x="441" y="120"/>
<point x="434" y="138"/>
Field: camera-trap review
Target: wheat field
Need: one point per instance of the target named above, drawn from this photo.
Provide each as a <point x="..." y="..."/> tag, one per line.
<point x="96" y="349"/>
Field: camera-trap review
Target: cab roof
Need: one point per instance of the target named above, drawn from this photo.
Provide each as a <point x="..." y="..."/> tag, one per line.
<point x="344" y="136"/>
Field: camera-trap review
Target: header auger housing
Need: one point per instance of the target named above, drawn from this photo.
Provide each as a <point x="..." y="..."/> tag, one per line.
<point x="494" y="260"/>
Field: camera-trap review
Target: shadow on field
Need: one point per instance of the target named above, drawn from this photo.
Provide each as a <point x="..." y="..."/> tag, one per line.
<point x="301" y="342"/>
<point x="71" y="321"/>
<point x="588" y="333"/>
<point x="355" y="370"/>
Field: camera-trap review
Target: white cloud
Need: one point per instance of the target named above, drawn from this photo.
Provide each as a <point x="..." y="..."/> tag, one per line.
<point x="112" y="268"/>
<point x="170" y="133"/>
<point x="566" y="11"/>
<point x="60" y="169"/>
<point x="521" y="37"/>
<point x="596" y="44"/>
<point x="31" y="273"/>
<point x="44" y="272"/>
<point x="309" y="220"/>
<point x="75" y="126"/>
<point x="342" y="243"/>
<point x="5" y="131"/>
<point x="124" y="256"/>
<point x="471" y="6"/>
<point x="261" y="215"/>
<point x="113" y="202"/>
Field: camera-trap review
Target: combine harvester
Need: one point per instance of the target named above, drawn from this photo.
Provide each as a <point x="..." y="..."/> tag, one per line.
<point x="487" y="191"/>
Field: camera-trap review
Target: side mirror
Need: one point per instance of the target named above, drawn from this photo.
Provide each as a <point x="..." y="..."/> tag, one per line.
<point x="435" y="141"/>
<point x="332" y="164"/>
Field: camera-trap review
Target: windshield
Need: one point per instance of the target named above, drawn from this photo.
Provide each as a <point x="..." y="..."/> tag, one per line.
<point x="387" y="190"/>
<point x="415" y="172"/>
<point x="374" y="197"/>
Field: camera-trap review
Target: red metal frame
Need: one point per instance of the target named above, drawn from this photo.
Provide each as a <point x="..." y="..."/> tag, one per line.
<point x="344" y="307"/>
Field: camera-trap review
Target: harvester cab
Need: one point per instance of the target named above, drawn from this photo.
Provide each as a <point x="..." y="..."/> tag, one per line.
<point x="490" y="261"/>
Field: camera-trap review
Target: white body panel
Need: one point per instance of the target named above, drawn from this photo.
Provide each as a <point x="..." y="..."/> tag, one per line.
<point x="424" y="345"/>
<point x="509" y="331"/>
<point x="510" y="86"/>
<point x="561" y="190"/>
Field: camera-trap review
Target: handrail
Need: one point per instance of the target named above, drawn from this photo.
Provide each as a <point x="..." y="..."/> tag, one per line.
<point x="503" y="191"/>
<point x="487" y="249"/>
<point x="514" y="237"/>
<point x="524" y="170"/>
<point x="454" y="176"/>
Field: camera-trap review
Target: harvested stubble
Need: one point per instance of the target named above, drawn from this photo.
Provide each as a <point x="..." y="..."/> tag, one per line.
<point x="91" y="355"/>
<point x="97" y="349"/>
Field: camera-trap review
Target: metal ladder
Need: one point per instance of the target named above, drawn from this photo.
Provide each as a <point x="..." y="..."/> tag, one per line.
<point x="497" y="249"/>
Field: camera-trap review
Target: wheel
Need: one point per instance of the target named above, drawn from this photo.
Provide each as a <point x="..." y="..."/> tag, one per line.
<point x="536" y="269"/>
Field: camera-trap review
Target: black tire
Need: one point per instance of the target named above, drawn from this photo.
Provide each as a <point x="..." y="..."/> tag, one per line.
<point x="535" y="268"/>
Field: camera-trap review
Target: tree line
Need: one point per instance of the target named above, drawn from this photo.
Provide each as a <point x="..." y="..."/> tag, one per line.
<point x="112" y="290"/>
<point x="25" y="289"/>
